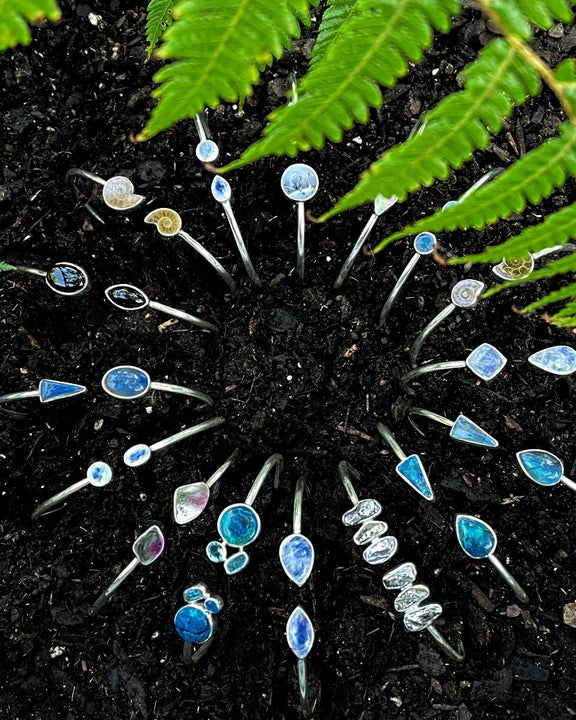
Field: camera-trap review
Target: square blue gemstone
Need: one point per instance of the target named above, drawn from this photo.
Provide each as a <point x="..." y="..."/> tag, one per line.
<point x="486" y="361"/>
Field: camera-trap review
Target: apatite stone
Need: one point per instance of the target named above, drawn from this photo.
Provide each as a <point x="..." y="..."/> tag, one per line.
<point x="558" y="360"/>
<point x="50" y="390"/>
<point x="189" y="502"/>
<point x="194" y="593"/>
<point x="137" y="455"/>
<point x="465" y="430"/>
<point x="149" y="546"/>
<point x="297" y="558"/>
<point x="221" y="190"/>
<point x="412" y="471"/>
<point x="370" y="530"/>
<point x="476" y="537"/>
<point x="381" y="550"/>
<point x="541" y="466"/>
<point x="99" y="474"/>
<point x="235" y="563"/>
<point x="400" y="576"/>
<point x="411" y="596"/>
<point x="420" y="618"/>
<point x="126" y="382"/>
<point x="216" y="551"/>
<point x="424" y="243"/>
<point x="299" y="633"/>
<point x="193" y="624"/>
<point x="239" y="525"/>
<point x="486" y="361"/>
<point x="364" y="510"/>
<point x="299" y="182"/>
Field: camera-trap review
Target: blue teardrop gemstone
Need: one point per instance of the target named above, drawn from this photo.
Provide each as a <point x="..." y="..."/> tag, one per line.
<point x="299" y="633"/>
<point x="221" y="190"/>
<point x="235" y="563"/>
<point x="412" y="471"/>
<point x="50" y="390"/>
<point x="239" y="525"/>
<point x="126" y="382"/>
<point x="297" y="558"/>
<point x="558" y="360"/>
<point x="541" y="466"/>
<point x="193" y="624"/>
<point x="467" y="431"/>
<point x="476" y="537"/>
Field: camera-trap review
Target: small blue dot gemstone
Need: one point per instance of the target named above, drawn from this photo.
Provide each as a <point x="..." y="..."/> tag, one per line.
<point x="137" y="455"/>
<point x="239" y="525"/>
<point x="558" y="360"/>
<point x="486" y="361"/>
<point x="221" y="190"/>
<point x="235" y="563"/>
<point x="465" y="430"/>
<point x="541" y="466"/>
<point x="424" y="243"/>
<point x="193" y="624"/>
<point x="297" y="558"/>
<point x="299" y="633"/>
<point x="50" y="390"/>
<point x="126" y="382"/>
<point x="215" y="551"/>
<point x="412" y="471"/>
<point x="476" y="537"/>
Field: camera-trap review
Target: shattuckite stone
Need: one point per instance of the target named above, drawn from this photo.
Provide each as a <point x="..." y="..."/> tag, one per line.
<point x="193" y="624"/>
<point x="486" y="361"/>
<point x="412" y="471"/>
<point x="194" y="593"/>
<point x="299" y="633"/>
<point x="239" y="525"/>
<point x="476" y="537"/>
<point x="126" y="382"/>
<point x="213" y="604"/>
<point x="541" y="466"/>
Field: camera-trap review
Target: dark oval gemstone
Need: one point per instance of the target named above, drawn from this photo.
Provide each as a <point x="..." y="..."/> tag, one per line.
<point x="126" y="297"/>
<point x="67" y="279"/>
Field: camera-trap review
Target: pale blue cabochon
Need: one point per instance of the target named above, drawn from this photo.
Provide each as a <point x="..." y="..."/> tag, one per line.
<point x="465" y="430"/>
<point x="541" y="466"/>
<point x="50" y="390"/>
<point x="486" y="361"/>
<point x="137" y="455"/>
<point x="297" y="558"/>
<point x="299" y="182"/>
<point x="207" y="151"/>
<point x="424" y="243"/>
<point x="412" y="471"/>
<point x="221" y="190"/>
<point x="99" y="474"/>
<point x="558" y="360"/>
<point x="300" y="633"/>
<point x="476" y="537"/>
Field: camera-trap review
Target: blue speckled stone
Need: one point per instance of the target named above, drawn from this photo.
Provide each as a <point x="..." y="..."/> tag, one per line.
<point x="299" y="182"/>
<point x="50" y="390"/>
<point x="412" y="471"/>
<point x="193" y="624"/>
<point x="207" y="151"/>
<point x="216" y="551"/>
<point x="126" y="382"/>
<point x="424" y="243"/>
<point x="239" y="525"/>
<point x="486" y="361"/>
<point x="467" y="431"/>
<point x="299" y="633"/>
<point x="297" y="558"/>
<point x="476" y="537"/>
<point x="99" y="474"/>
<point x="221" y="190"/>
<point x="193" y="593"/>
<point x="213" y="605"/>
<point x="235" y="563"/>
<point x="137" y="455"/>
<point x="558" y="360"/>
<point x="541" y="466"/>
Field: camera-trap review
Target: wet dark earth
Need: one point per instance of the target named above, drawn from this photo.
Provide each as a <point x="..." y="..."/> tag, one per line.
<point x="297" y="368"/>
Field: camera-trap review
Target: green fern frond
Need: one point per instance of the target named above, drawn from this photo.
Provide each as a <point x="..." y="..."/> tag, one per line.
<point x="160" y="17"/>
<point x="5" y="266"/>
<point x="515" y="16"/>
<point x="217" y="48"/>
<point x="568" y="291"/>
<point x="333" y="18"/>
<point x="534" y="176"/>
<point x="15" y="16"/>
<point x="461" y="123"/>
<point x="378" y="39"/>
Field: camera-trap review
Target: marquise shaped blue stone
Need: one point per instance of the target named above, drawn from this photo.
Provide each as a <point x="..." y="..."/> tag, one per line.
<point x="558" y="360"/>
<point x="465" y="430"/>
<point x="541" y="466"/>
<point x="50" y="390"/>
<point x="299" y="633"/>
<point x="297" y="558"/>
<point x="193" y="624"/>
<point x="412" y="471"/>
<point x="476" y="537"/>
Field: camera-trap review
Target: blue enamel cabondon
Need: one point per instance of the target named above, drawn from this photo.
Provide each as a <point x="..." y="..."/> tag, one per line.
<point x="424" y="243"/>
<point x="50" y="390"/>
<point x="126" y="382"/>
<point x="300" y="633"/>
<point x="297" y="558"/>
<point x="465" y="430"/>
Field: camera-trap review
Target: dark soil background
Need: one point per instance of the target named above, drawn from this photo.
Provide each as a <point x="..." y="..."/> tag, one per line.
<point x="74" y="98"/>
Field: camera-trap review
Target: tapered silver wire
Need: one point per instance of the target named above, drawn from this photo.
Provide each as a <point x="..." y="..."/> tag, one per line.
<point x="59" y="498"/>
<point x="411" y="375"/>
<point x="391" y="441"/>
<point x="201" y="250"/>
<point x="242" y="249"/>
<point x="427" y="414"/>
<point x="213" y="479"/>
<point x="202" y="324"/>
<point x="275" y="461"/>
<point x="187" y="432"/>
<point x="432" y="325"/>
<point x="350" y="260"/>
<point x="455" y="654"/>
<point x="398" y="287"/>
<point x="509" y="579"/>
<point x="347" y="472"/>
<point x="111" y="589"/>
<point x="300" y="249"/>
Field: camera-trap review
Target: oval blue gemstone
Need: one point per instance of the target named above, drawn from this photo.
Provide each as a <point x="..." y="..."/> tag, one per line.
<point x="299" y="633"/>
<point x="236" y="562"/>
<point x="126" y="382"/>
<point x="193" y="624"/>
<point x="476" y="537"/>
<point x="541" y="466"/>
<point x="216" y="551"/>
<point x="297" y="558"/>
<point x="137" y="455"/>
<point x="193" y="593"/>
<point x="213" y="605"/>
<point x="239" y="525"/>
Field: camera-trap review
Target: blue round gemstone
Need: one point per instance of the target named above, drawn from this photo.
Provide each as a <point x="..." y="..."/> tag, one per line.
<point x="424" y="243"/>
<point x="216" y="551"/>
<point x="99" y="474"/>
<point x="126" y="382"/>
<point x="193" y="624"/>
<point x="239" y="525"/>
<point x="213" y="605"/>
<point x="207" y="151"/>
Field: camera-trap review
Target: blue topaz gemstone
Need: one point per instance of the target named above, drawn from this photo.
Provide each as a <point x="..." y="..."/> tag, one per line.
<point x="297" y="558"/>
<point x="239" y="524"/>
<point x="412" y="471"/>
<point x="67" y="279"/>
<point x="221" y="190"/>
<point x="541" y="466"/>
<point x="424" y="243"/>
<point x="126" y="382"/>
<point x="299" y="182"/>
<point x="476" y="537"/>
<point x="467" y="431"/>
<point x="486" y="361"/>
<point x="558" y="360"/>
<point x="235" y="563"/>
<point x="207" y="151"/>
<point x="195" y="593"/>
<point x="99" y="474"/>
<point x="213" y="604"/>
<point x="50" y="390"/>
<point x="380" y="550"/>
<point x="193" y="624"/>
<point x="299" y="633"/>
<point x="216" y="551"/>
<point x="137" y="455"/>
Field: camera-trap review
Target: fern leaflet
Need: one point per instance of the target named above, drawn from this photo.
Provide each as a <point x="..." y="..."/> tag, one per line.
<point x="378" y="39"/>
<point x="15" y="16"/>
<point x="5" y="266"/>
<point x="568" y="291"/>
<point x="218" y="48"/>
<point x="515" y="16"/>
<point x="159" y="18"/>
<point x="334" y="17"/>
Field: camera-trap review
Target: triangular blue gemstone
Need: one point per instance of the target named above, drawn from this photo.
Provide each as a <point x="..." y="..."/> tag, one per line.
<point x="55" y="390"/>
<point x="412" y="471"/>
<point x="541" y="466"/>
<point x="476" y="537"/>
<point x="467" y="431"/>
<point x="297" y="558"/>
